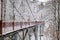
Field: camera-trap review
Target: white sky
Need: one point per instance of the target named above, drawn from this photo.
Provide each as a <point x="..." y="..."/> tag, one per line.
<point x="43" y="0"/>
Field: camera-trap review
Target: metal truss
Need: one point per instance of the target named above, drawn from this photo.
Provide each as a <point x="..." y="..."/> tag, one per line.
<point x="23" y="34"/>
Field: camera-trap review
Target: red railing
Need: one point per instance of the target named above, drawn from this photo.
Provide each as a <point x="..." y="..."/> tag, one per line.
<point x="21" y="23"/>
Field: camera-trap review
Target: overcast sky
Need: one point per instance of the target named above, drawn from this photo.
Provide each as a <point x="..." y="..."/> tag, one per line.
<point x="44" y="0"/>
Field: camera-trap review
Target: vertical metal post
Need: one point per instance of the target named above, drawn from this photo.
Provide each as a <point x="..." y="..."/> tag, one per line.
<point x="29" y="33"/>
<point x="29" y="37"/>
<point x="13" y="15"/>
<point x="58" y="20"/>
<point x="40" y="32"/>
<point x="23" y="34"/>
<point x="35" y="36"/>
<point x="15" y="36"/>
<point x="1" y="17"/>
<point x="1" y="8"/>
<point x="36" y="33"/>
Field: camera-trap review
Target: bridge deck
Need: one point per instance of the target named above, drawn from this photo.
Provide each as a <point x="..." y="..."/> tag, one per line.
<point x="8" y="27"/>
